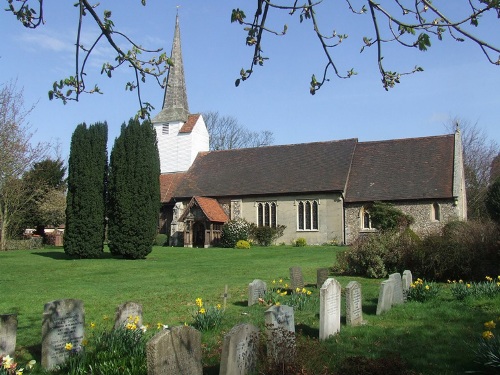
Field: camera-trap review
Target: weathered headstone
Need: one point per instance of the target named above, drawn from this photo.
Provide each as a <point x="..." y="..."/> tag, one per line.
<point x="280" y="330"/>
<point x="385" y="296"/>
<point x="353" y="304"/>
<point x="128" y="313"/>
<point x="407" y="280"/>
<point x="256" y="289"/>
<point x="8" y="332"/>
<point x="321" y="276"/>
<point x="296" y="278"/>
<point x="329" y="308"/>
<point x="239" y="350"/>
<point x="175" y="351"/>
<point x="62" y="330"/>
<point x="397" y="297"/>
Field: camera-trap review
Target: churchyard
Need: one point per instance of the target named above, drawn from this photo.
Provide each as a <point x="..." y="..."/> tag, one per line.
<point x="169" y="288"/>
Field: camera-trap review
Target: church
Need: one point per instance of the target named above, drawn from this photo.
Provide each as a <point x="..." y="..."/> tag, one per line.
<point x="320" y="191"/>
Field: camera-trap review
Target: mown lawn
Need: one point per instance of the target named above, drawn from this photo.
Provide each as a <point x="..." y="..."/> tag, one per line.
<point x="436" y="337"/>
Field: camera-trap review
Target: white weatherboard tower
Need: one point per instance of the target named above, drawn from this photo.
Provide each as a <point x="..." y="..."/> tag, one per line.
<point x="181" y="136"/>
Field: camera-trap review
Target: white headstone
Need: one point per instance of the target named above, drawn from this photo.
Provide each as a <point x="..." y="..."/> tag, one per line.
<point x="353" y="304"/>
<point x="256" y="289"/>
<point x="329" y="308"/>
<point x="239" y="350"/>
<point x="385" y="296"/>
<point x="62" y="328"/>
<point x="407" y="280"/>
<point x="397" y="297"/>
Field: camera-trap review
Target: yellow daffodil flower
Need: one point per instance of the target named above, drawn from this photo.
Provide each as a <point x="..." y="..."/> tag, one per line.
<point x="68" y="346"/>
<point x="487" y="335"/>
<point x="490" y="325"/>
<point x="202" y="310"/>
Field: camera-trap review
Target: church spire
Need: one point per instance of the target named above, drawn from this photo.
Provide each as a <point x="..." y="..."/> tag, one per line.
<point x="175" y="105"/>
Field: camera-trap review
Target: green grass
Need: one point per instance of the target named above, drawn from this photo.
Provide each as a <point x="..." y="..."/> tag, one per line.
<point x="432" y="337"/>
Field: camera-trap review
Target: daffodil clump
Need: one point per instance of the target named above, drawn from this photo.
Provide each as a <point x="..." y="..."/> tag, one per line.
<point x="207" y="317"/>
<point x="488" y="288"/>
<point x="280" y="294"/>
<point x="300" y="298"/>
<point x="422" y="290"/>
<point x="9" y="367"/>
<point x="488" y="349"/>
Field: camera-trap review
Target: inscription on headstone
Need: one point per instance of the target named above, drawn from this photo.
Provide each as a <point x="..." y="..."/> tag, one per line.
<point x="407" y="280"/>
<point x="385" y="296"/>
<point x="296" y="278"/>
<point x="256" y="289"/>
<point x="239" y="351"/>
<point x="321" y="276"/>
<point x="329" y="308"/>
<point x="353" y="304"/>
<point x="176" y="351"/>
<point x="128" y="313"/>
<point x="397" y="297"/>
<point x="63" y="323"/>
<point x="8" y="332"/>
<point x="280" y="330"/>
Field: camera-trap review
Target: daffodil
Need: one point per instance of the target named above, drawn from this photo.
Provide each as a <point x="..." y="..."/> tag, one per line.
<point x="487" y="335"/>
<point x="199" y="302"/>
<point x="218" y="306"/>
<point x="490" y="325"/>
<point x="20" y="371"/>
<point x="68" y="346"/>
<point x="202" y="310"/>
<point x="277" y="303"/>
<point x="7" y="361"/>
<point x="427" y="287"/>
<point x="92" y="325"/>
<point x="30" y="364"/>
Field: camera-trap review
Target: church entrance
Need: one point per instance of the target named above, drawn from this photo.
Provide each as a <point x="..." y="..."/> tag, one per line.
<point x="198" y="234"/>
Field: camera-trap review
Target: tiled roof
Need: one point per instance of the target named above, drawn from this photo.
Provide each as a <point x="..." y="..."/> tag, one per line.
<point x="414" y="168"/>
<point x="212" y="209"/>
<point x="299" y="168"/>
<point x="189" y="124"/>
<point x="168" y="183"/>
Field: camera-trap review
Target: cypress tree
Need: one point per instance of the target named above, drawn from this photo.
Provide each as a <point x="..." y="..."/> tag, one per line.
<point x="134" y="191"/>
<point x="86" y="197"/>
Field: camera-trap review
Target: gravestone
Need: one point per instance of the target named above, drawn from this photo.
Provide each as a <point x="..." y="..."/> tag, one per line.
<point x="329" y="308"/>
<point x="225" y="296"/>
<point x="8" y="332"/>
<point x="385" y="296"/>
<point x="296" y="278"/>
<point x="239" y="350"/>
<point x="63" y="323"/>
<point x="353" y="304"/>
<point x="397" y="297"/>
<point x="321" y="276"/>
<point x="256" y="289"/>
<point x="176" y="351"/>
<point x="128" y="312"/>
<point x="280" y="331"/>
<point x="407" y="280"/>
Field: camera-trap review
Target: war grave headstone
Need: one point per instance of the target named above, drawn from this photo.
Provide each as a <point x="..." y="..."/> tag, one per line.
<point x="407" y="280"/>
<point x="280" y="330"/>
<point x="353" y="304"/>
<point x="329" y="308"/>
<point x="385" y="296"/>
<point x="296" y="278"/>
<point x="175" y="351"/>
<point x="62" y="328"/>
<point x="397" y="297"/>
<point x="8" y="334"/>
<point x="256" y="289"/>
<point x="321" y="276"/>
<point x="128" y="313"/>
<point x="239" y="350"/>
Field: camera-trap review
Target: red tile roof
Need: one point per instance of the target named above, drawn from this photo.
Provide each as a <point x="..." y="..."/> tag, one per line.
<point x="212" y="209"/>
<point x="168" y="184"/>
<point x="189" y="124"/>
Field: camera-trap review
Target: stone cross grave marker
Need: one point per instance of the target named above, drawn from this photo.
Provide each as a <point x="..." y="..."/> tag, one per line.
<point x="280" y="330"/>
<point x="225" y="296"/>
<point x="321" y="276"/>
<point x="329" y="308"/>
<point x="239" y="350"/>
<point x="128" y="312"/>
<point x="353" y="304"/>
<point x="63" y="323"/>
<point x="407" y="280"/>
<point x="397" y="297"/>
<point x="296" y="278"/>
<point x="8" y="334"/>
<point x="175" y="351"/>
<point x="385" y="296"/>
<point x="256" y="289"/>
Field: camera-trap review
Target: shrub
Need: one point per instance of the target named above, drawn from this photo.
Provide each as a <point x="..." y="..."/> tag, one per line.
<point x="161" y="239"/>
<point x="242" y="244"/>
<point x="233" y="231"/>
<point x="300" y="242"/>
<point x="386" y="217"/>
<point x="265" y="236"/>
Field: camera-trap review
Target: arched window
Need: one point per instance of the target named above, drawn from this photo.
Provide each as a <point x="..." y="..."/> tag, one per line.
<point x="436" y="212"/>
<point x="366" y="221"/>
<point x="307" y="215"/>
<point x="266" y="214"/>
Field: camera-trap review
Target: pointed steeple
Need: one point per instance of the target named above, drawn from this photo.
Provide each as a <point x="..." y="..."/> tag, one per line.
<point x="175" y="104"/>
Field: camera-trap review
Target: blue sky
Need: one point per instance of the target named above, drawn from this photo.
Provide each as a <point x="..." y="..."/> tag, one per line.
<point x="457" y="80"/>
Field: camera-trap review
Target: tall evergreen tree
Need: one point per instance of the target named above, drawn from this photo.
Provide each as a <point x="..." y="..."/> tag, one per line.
<point x="86" y="198"/>
<point x="134" y="191"/>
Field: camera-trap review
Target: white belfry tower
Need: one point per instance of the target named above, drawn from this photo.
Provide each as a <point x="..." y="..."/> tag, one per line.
<point x="181" y="136"/>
